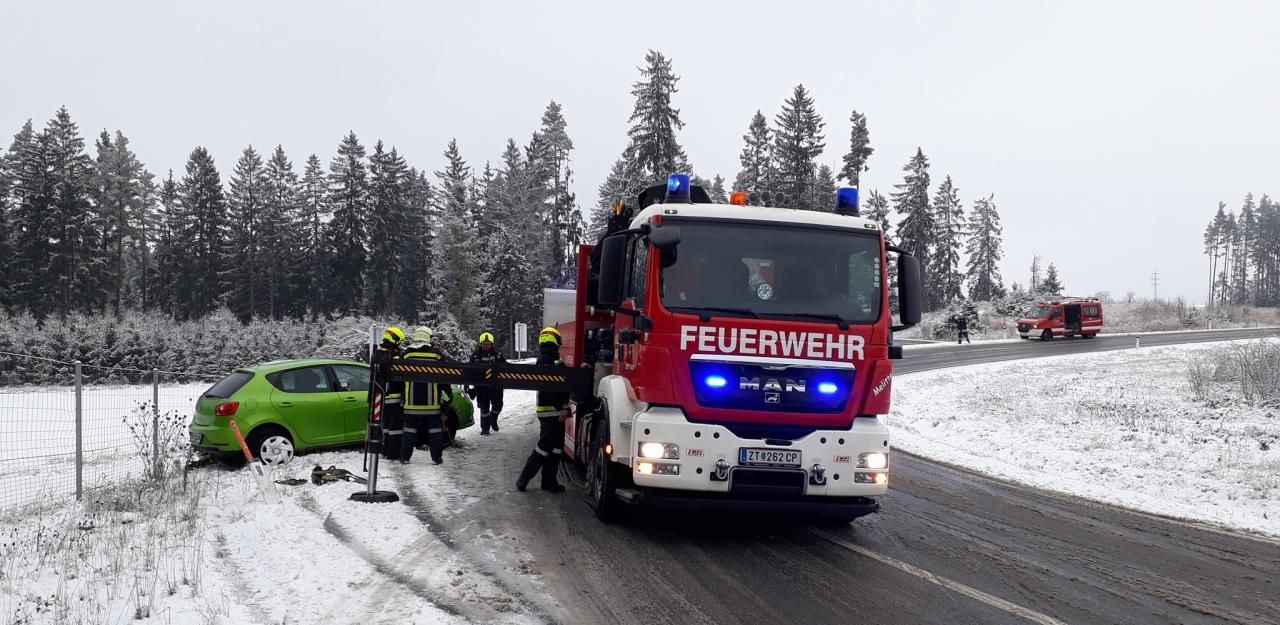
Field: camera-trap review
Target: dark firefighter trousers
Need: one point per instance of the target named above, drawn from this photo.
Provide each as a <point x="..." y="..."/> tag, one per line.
<point x="418" y="425"/>
<point x="392" y="429"/>
<point x="489" y="403"/>
<point x="547" y="453"/>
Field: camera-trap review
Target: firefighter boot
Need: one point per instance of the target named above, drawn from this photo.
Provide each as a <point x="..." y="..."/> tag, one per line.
<point x="537" y="460"/>
<point x="484" y="424"/>
<point x="493" y="420"/>
<point x="550" y="473"/>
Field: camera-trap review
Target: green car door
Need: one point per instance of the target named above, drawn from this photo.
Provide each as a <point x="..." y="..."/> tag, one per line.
<point x="305" y="399"/>
<point x="353" y="388"/>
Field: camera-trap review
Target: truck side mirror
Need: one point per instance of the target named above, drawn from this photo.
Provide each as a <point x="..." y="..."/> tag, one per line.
<point x="613" y="265"/>
<point x="665" y="237"/>
<point x="910" y="293"/>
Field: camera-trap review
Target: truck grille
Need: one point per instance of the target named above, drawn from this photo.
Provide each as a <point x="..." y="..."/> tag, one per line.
<point x="752" y="386"/>
<point x="767" y="482"/>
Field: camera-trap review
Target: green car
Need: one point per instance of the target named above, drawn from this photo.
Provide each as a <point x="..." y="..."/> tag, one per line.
<point x="291" y="406"/>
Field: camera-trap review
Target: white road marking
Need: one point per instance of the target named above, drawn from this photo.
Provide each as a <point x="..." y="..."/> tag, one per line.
<point x="972" y="593"/>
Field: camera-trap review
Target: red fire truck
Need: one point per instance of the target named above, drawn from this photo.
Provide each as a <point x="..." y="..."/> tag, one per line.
<point x="1074" y="316"/>
<point x="741" y="355"/>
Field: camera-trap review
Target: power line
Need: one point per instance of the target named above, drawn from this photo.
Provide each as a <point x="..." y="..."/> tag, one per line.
<point x="1155" y="286"/>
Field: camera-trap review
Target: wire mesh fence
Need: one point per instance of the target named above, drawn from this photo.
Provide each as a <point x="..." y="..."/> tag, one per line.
<point x="82" y="427"/>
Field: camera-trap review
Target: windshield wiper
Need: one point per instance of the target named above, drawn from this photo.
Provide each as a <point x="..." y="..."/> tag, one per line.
<point x="840" y="321"/>
<point x="704" y="312"/>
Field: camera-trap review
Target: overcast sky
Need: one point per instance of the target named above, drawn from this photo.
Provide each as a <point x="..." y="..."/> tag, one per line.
<point x="1107" y="131"/>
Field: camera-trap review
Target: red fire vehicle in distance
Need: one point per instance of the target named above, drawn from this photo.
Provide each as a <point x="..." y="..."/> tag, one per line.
<point x="1072" y="316"/>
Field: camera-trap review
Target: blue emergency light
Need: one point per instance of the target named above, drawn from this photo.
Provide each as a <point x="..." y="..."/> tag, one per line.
<point x="715" y="381"/>
<point x="847" y="201"/>
<point x="828" y="388"/>
<point x="678" y="189"/>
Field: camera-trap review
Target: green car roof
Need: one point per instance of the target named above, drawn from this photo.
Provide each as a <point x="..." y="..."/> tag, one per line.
<point x="280" y="365"/>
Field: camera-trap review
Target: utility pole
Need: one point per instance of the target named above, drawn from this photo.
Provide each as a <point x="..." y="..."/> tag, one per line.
<point x="1155" y="286"/>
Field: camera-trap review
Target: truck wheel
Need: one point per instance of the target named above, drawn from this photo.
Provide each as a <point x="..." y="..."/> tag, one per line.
<point x="601" y="486"/>
<point x="1047" y="335"/>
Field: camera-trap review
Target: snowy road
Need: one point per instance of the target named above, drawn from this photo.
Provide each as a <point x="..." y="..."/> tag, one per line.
<point x="949" y="546"/>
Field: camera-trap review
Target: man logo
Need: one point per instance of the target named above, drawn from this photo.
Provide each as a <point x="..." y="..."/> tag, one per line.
<point x="772" y="385"/>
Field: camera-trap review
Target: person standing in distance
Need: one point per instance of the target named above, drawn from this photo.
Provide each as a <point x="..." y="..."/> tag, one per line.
<point x="488" y="398"/>
<point x="553" y="409"/>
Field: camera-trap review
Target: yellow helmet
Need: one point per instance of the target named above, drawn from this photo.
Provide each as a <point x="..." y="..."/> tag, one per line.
<point x="393" y="335"/>
<point x="486" y="337"/>
<point x="549" y="335"/>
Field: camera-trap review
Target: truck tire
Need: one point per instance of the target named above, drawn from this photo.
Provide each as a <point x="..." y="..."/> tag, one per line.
<point x="1047" y="335"/>
<point x="602" y="484"/>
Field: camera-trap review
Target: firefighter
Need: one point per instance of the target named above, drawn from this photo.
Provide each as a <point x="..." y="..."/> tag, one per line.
<point x="962" y="329"/>
<point x="488" y="398"/>
<point x="422" y="404"/>
<point x="553" y="409"/>
<point x="392" y="406"/>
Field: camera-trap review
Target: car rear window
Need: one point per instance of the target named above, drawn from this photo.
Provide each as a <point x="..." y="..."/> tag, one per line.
<point x="305" y="380"/>
<point x="229" y="385"/>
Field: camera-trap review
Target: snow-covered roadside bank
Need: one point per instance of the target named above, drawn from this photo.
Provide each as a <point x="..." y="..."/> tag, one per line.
<point x="1118" y="427"/>
<point x="213" y="552"/>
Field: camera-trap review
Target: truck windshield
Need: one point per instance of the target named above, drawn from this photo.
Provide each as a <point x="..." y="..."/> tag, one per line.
<point x="732" y="269"/>
<point x="1040" y="312"/>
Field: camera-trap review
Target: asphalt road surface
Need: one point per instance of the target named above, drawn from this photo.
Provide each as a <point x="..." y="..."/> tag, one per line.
<point x="949" y="547"/>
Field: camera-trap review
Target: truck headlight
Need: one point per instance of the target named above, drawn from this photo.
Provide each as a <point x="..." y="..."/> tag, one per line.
<point x="873" y="460"/>
<point x="660" y="451"/>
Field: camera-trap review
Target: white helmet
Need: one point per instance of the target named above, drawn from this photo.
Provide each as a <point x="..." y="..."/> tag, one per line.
<point x="422" y="334"/>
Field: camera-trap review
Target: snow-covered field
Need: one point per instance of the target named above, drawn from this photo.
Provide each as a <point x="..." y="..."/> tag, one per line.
<point x="37" y="436"/>
<point x="1118" y="427"/>
<point x="207" y="549"/>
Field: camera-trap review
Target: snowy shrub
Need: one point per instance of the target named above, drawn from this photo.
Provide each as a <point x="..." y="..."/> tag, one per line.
<point x="1247" y="372"/>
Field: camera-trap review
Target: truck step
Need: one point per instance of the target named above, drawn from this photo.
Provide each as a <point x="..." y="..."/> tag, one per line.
<point x="628" y="495"/>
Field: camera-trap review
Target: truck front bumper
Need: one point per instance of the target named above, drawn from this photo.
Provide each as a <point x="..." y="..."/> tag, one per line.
<point x="710" y="461"/>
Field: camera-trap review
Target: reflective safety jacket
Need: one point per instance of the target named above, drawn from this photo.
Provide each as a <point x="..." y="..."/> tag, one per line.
<point x="551" y="403"/>
<point x="421" y="398"/>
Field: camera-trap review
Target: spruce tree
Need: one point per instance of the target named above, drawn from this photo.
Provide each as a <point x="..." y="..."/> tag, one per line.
<point x="654" y="121"/>
<point x="388" y="217"/>
<point x="855" y="160"/>
<point x="121" y="188"/>
<point x="877" y="209"/>
<point x="984" y="248"/>
<point x="416" y="238"/>
<point x="1265" y="254"/>
<point x="1212" y="243"/>
<point x="29" y="200"/>
<point x="549" y="162"/>
<point x="1052" y="283"/>
<point x="917" y="231"/>
<point x="75" y="264"/>
<point x="280" y="244"/>
<point x="717" y="190"/>
<point x="1036" y="285"/>
<point x="948" y="216"/>
<point x="347" y="233"/>
<point x="797" y="143"/>
<point x="455" y="267"/>
<point x="1246" y="226"/>
<point x="170" y="258"/>
<point x="246" y="296"/>
<point x="822" y="195"/>
<point x="311" y="267"/>
<point x="205" y="233"/>
<point x="756" y="175"/>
